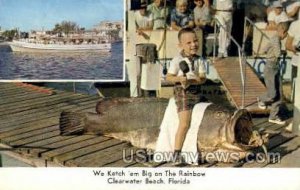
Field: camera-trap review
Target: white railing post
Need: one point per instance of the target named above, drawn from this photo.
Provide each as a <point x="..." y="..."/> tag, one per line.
<point x="215" y="41"/>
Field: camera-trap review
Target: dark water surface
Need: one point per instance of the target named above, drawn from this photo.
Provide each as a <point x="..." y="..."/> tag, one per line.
<point x="59" y="66"/>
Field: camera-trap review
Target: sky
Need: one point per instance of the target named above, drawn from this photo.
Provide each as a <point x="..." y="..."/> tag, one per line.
<point x="38" y="14"/>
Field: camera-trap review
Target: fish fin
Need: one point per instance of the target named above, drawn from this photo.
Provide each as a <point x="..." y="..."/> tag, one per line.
<point x="71" y="123"/>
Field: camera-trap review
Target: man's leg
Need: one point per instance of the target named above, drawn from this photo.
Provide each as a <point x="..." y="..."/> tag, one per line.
<point x="222" y="38"/>
<point x="269" y="76"/>
<point x="276" y="105"/>
<point x="227" y="39"/>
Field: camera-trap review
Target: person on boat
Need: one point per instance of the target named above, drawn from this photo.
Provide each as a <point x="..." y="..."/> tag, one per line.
<point x="223" y="13"/>
<point x="202" y="15"/>
<point x="181" y="17"/>
<point x="273" y="97"/>
<point x="203" y="21"/>
<point x="276" y="15"/>
<point x="143" y="19"/>
<point x="186" y="89"/>
<point x="161" y="14"/>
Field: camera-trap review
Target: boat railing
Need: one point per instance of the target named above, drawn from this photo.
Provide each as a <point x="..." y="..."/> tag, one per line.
<point x="242" y="59"/>
<point x="245" y="35"/>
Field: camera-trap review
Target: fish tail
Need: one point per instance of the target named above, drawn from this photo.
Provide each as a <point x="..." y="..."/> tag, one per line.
<point x="71" y="123"/>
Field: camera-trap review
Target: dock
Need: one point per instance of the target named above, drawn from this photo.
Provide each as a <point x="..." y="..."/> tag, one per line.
<point x="29" y="132"/>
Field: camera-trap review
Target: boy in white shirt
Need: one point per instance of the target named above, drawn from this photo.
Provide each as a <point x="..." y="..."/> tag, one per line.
<point x="186" y="89"/>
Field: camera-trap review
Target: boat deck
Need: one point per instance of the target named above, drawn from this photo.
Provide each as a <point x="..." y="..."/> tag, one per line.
<point x="229" y="72"/>
<point x="29" y="131"/>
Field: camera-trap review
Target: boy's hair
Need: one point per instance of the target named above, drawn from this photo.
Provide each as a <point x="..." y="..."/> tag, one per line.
<point x="283" y="26"/>
<point x="185" y="30"/>
<point x="180" y="2"/>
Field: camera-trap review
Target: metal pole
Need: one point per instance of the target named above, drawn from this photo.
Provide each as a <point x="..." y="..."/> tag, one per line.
<point x="1" y="165"/>
<point x="296" y="119"/>
<point x="241" y="54"/>
<point x="242" y="79"/>
<point x="215" y="41"/>
<point x="244" y="36"/>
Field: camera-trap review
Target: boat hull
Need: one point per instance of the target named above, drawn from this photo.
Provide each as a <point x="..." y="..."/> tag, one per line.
<point x="18" y="46"/>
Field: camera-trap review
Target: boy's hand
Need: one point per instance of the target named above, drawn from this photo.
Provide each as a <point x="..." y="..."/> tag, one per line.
<point x="184" y="82"/>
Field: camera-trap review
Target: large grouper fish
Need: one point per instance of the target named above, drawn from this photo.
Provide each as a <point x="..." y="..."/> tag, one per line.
<point x="138" y="120"/>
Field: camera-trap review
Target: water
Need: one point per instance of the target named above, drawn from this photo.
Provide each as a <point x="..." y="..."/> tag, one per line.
<point x="59" y="66"/>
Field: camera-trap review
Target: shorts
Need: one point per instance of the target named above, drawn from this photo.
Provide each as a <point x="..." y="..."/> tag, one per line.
<point x="186" y="98"/>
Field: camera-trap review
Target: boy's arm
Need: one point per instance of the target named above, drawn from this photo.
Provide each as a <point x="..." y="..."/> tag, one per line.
<point x="176" y="79"/>
<point x="200" y="79"/>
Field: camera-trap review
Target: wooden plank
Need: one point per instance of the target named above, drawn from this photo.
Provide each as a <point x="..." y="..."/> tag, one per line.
<point x="35" y="138"/>
<point x="6" y="96"/>
<point x="22" y="98"/>
<point x="95" y="155"/>
<point x="23" y="130"/>
<point x="104" y="156"/>
<point x="24" y="103"/>
<point x="54" y="144"/>
<point x="29" y="134"/>
<point x="13" y="92"/>
<point x="37" y="111"/>
<point x="34" y="125"/>
<point x="45" y="114"/>
<point x="41" y="145"/>
<point x="63" y="150"/>
<point x="47" y="121"/>
<point x="48" y="101"/>
<point x="70" y="101"/>
<point x="285" y="151"/>
<point x="28" y="160"/>
<point x="86" y="150"/>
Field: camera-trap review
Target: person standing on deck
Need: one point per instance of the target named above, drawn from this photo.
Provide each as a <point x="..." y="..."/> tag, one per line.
<point x="160" y="14"/>
<point x="202" y="16"/>
<point x="143" y="19"/>
<point x="273" y="96"/>
<point x="186" y="89"/>
<point x="224" y="9"/>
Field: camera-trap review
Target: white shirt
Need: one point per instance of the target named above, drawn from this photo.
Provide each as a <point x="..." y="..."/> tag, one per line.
<point x="143" y="21"/>
<point x="202" y="13"/>
<point x="277" y="18"/>
<point x="199" y="66"/>
<point x="294" y="32"/>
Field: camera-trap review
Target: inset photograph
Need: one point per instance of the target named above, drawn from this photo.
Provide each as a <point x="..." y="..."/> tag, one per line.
<point x="61" y="40"/>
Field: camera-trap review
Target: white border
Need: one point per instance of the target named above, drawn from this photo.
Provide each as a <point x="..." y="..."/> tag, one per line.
<point x="84" y="80"/>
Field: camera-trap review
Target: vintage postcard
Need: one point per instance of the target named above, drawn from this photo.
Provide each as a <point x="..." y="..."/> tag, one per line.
<point x="208" y="87"/>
